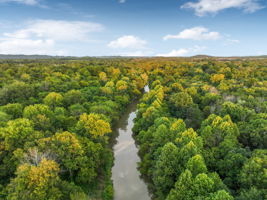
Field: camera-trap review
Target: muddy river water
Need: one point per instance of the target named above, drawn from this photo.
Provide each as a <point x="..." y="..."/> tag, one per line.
<point x="126" y="178"/>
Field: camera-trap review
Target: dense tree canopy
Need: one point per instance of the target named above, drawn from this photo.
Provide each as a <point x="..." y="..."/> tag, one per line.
<point x="56" y="118"/>
<point x="200" y="129"/>
<point x="223" y="156"/>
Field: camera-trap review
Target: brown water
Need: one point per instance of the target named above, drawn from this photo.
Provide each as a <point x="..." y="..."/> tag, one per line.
<point x="126" y="178"/>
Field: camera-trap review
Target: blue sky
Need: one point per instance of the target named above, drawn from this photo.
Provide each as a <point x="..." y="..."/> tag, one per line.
<point x="133" y="27"/>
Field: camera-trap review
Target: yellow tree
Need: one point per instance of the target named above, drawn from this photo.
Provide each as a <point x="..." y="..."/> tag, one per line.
<point x="93" y="125"/>
<point x="53" y="99"/>
<point x="121" y="85"/>
<point x="103" y="76"/>
<point x="108" y="88"/>
<point x="67" y="148"/>
<point x="115" y="73"/>
<point x="36" y="182"/>
<point x="216" y="78"/>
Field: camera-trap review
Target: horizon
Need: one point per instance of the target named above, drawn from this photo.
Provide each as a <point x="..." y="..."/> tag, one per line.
<point x="133" y="28"/>
<point x="121" y="56"/>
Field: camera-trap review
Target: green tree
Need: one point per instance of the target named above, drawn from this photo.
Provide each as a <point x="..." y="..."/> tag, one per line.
<point x="165" y="172"/>
<point x="200" y="187"/>
<point x="14" y="110"/>
<point x="254" y="171"/>
<point x="183" y="187"/>
<point x="4" y="117"/>
<point x="253" y="132"/>
<point x="182" y="106"/>
<point x="18" y="132"/>
<point x="236" y="111"/>
<point x="73" y="97"/>
<point x="221" y="195"/>
<point x="252" y="194"/>
<point x="231" y="165"/>
<point x="214" y="130"/>
<point x="16" y="92"/>
<point x="40" y="114"/>
<point x="76" y="110"/>
<point x="196" y="165"/>
<point x="181" y="100"/>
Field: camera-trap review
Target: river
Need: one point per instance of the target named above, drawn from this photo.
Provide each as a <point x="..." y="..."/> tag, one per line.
<point x="126" y="178"/>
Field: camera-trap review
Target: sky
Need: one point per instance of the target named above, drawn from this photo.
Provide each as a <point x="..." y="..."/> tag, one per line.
<point x="133" y="27"/>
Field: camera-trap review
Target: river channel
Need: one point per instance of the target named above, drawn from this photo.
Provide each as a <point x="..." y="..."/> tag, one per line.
<point x="126" y="178"/>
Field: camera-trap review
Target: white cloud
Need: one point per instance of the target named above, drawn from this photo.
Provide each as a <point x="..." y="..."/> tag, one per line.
<point x="29" y="47"/>
<point x="122" y="1"/>
<point x="197" y="48"/>
<point x="135" y="54"/>
<point x="138" y="53"/>
<point x="231" y="42"/>
<point x="26" y="2"/>
<point x="175" y="53"/>
<point x="128" y="41"/>
<point x="195" y="33"/>
<point x="43" y="36"/>
<point x="57" y="30"/>
<point x="182" y="51"/>
<point x="203" y="7"/>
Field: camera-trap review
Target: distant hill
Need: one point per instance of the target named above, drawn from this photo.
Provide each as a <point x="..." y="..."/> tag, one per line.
<point x="230" y="58"/>
<point x="45" y="57"/>
<point x="31" y="57"/>
<point x="40" y="57"/>
<point x="201" y="56"/>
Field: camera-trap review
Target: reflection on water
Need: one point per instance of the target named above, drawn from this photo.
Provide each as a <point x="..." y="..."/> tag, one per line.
<point x="126" y="178"/>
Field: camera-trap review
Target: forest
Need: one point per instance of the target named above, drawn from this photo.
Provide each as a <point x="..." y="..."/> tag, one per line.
<point x="201" y="129"/>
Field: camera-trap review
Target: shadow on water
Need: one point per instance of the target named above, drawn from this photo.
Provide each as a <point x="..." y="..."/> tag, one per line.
<point x="126" y="178"/>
